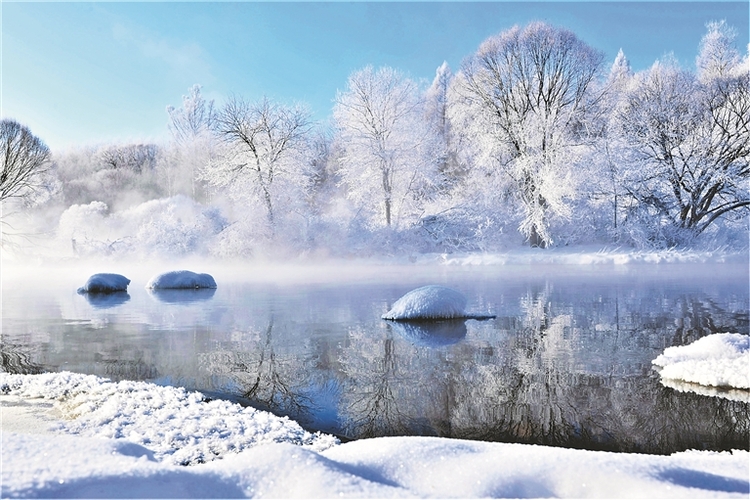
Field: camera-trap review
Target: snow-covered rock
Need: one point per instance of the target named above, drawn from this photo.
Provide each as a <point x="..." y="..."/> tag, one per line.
<point x="719" y="360"/>
<point x="181" y="279"/>
<point x="429" y="303"/>
<point x="105" y="283"/>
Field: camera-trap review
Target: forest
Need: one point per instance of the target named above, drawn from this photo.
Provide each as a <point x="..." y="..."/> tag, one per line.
<point x="535" y="141"/>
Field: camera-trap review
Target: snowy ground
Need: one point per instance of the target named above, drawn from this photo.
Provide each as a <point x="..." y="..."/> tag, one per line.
<point x="67" y="435"/>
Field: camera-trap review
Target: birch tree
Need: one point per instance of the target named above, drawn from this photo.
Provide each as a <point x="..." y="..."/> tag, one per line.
<point x="191" y="126"/>
<point x="386" y="142"/>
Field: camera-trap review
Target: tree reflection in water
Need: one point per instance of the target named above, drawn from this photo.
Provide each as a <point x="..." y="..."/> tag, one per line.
<point x="261" y="376"/>
<point x="548" y="376"/>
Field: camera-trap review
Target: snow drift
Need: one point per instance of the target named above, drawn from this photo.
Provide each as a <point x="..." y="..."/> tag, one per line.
<point x="181" y="280"/>
<point x="177" y="426"/>
<point x="718" y="360"/>
<point x="116" y="453"/>
<point x="431" y="302"/>
<point x="105" y="283"/>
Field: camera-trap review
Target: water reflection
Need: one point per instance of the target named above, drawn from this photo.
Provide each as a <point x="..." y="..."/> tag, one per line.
<point x="17" y="359"/>
<point x="106" y="300"/>
<point x="430" y="333"/>
<point x="565" y="362"/>
<point x="703" y="390"/>
<point x="181" y="295"/>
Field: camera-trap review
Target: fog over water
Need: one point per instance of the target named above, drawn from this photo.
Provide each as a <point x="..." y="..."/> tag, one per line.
<point x="567" y="360"/>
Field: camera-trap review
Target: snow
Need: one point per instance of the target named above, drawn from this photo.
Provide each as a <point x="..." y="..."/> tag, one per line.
<point x="717" y="360"/>
<point x="430" y="302"/>
<point x="102" y="439"/>
<point x="181" y="279"/>
<point x="177" y="426"/>
<point x="105" y="283"/>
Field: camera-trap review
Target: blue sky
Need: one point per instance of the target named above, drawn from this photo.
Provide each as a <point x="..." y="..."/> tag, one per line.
<point x="87" y="73"/>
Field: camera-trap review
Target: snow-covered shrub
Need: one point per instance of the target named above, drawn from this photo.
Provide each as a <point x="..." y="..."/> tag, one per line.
<point x="168" y="227"/>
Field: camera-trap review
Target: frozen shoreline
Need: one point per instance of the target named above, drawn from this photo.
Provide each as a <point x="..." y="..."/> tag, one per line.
<point x="41" y="459"/>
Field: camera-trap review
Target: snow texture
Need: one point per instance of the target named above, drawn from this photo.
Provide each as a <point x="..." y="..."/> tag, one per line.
<point x="431" y="302"/>
<point x="105" y="283"/>
<point x="718" y="360"/>
<point x="101" y="463"/>
<point x="177" y="426"/>
<point x="181" y="280"/>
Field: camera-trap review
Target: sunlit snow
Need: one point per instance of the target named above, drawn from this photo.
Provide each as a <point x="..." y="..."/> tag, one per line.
<point x="719" y="360"/>
<point x="178" y="427"/>
<point x="105" y="283"/>
<point x="105" y="440"/>
<point x="181" y="279"/>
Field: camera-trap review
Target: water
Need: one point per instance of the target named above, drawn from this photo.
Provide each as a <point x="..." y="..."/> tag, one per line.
<point x="566" y="362"/>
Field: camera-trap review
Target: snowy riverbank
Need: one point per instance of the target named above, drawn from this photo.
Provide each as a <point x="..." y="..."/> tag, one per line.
<point x="69" y="435"/>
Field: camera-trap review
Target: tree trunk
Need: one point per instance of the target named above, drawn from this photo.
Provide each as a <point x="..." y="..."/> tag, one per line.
<point x="535" y="240"/>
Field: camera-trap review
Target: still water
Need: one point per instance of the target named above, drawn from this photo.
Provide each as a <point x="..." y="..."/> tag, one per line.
<point x="566" y="362"/>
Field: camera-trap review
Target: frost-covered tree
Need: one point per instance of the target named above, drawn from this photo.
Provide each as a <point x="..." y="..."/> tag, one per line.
<point x="528" y="93"/>
<point x="386" y="164"/>
<point x="195" y="118"/>
<point x="24" y="158"/>
<point x="264" y="144"/>
<point x="689" y="145"/>
<point x="192" y="128"/>
<point x="717" y="57"/>
<point x="120" y="175"/>
<point x="608" y="165"/>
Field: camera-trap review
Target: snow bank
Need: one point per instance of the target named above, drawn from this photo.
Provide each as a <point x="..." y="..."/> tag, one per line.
<point x="719" y="360"/>
<point x="429" y="303"/>
<point x="179" y="427"/>
<point x="405" y="467"/>
<point x="181" y="279"/>
<point x="105" y="283"/>
<point x="589" y="255"/>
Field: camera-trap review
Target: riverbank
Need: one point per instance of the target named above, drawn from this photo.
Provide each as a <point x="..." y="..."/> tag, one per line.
<point x="50" y="451"/>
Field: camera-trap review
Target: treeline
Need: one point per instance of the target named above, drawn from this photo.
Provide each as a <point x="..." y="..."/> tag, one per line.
<point x="534" y="140"/>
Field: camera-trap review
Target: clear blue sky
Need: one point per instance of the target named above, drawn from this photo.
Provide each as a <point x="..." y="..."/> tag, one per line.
<point x="87" y="73"/>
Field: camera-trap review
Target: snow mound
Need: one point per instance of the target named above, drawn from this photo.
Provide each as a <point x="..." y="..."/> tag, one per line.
<point x="718" y="360"/>
<point x="180" y="427"/>
<point x="105" y="283"/>
<point x="181" y="279"/>
<point x="431" y="302"/>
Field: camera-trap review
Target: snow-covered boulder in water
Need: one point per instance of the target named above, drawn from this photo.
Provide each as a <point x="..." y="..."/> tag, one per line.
<point x="431" y="302"/>
<point x="105" y="283"/>
<point x="181" y="280"/>
<point x="718" y="360"/>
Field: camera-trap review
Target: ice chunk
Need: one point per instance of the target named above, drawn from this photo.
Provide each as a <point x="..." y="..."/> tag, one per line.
<point x="105" y="283"/>
<point x="719" y="360"/>
<point x="181" y="279"/>
<point x="429" y="303"/>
